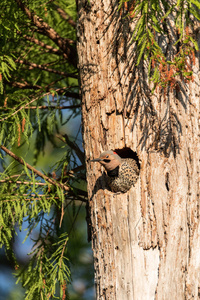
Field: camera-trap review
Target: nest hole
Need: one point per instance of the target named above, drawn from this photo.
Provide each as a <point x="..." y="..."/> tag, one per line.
<point x="128" y="153"/>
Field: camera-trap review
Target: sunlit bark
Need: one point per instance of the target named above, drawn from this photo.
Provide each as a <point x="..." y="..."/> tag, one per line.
<point x="145" y="242"/>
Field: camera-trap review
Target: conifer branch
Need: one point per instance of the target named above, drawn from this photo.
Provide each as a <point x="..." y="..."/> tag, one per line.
<point x="42" y="44"/>
<point x="62" y="43"/>
<point x="41" y="67"/>
<point x="65" y="16"/>
<point x="54" y="107"/>
<point x="49" y="107"/>
<point x="40" y="174"/>
<point x="61" y="91"/>
<point x="24" y="85"/>
<point x="22" y="182"/>
<point x="80" y="194"/>
<point x="39" y="197"/>
<point x="27" y="104"/>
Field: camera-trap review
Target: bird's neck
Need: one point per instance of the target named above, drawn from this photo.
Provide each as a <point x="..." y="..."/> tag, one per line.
<point x="114" y="172"/>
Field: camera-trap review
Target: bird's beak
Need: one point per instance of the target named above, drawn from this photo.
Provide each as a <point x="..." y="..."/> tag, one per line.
<point x="96" y="159"/>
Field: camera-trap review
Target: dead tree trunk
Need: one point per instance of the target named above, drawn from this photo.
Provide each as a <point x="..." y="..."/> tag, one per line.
<point x="146" y="242"/>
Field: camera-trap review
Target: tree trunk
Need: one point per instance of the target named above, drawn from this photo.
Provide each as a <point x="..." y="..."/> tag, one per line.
<point x="146" y="242"/>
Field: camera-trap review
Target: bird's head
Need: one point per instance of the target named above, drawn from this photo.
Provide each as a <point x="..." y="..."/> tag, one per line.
<point x="109" y="159"/>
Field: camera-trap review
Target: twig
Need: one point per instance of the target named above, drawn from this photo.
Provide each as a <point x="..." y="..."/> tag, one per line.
<point x="24" y="85"/>
<point x="25" y="105"/>
<point x="40" y="196"/>
<point x="21" y="182"/>
<point x="15" y="176"/>
<point x="49" y="107"/>
<point x="61" y="91"/>
<point x="63" y="250"/>
<point x="55" y="107"/>
<point x="62" y="215"/>
<point x="40" y="174"/>
<point x="33" y="65"/>
<point x="42" y="44"/>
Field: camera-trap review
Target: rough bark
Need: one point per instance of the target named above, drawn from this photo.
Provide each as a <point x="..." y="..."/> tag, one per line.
<point x="145" y="242"/>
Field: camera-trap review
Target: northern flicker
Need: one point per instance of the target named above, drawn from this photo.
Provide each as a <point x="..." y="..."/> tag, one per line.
<point x="122" y="173"/>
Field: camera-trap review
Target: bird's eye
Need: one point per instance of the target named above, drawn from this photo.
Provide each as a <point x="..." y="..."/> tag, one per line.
<point x="107" y="156"/>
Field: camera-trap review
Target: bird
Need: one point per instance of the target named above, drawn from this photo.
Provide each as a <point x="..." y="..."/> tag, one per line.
<point x="122" y="173"/>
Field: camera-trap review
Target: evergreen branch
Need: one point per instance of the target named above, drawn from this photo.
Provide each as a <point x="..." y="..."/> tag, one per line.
<point x="15" y="176"/>
<point x="25" y="105"/>
<point x="40" y="174"/>
<point x="26" y="199"/>
<point x="61" y="91"/>
<point x="65" y="16"/>
<point x="54" y="107"/>
<point x="152" y="20"/>
<point x="41" y="67"/>
<point x="49" y="107"/>
<point x="42" y="44"/>
<point x="21" y="182"/>
<point x="36" y="197"/>
<point x="62" y="214"/>
<point x="24" y="85"/>
<point x="63" y="250"/>
<point x="62" y="43"/>
<point x="39" y="197"/>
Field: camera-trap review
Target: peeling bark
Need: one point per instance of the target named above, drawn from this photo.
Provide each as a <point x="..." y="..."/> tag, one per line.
<point x="145" y="242"/>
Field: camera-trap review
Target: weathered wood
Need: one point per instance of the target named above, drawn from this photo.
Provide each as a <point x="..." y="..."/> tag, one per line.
<point x="145" y="242"/>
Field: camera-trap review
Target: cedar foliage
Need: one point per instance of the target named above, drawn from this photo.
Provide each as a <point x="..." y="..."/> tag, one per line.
<point x="154" y="20"/>
<point x="38" y="82"/>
